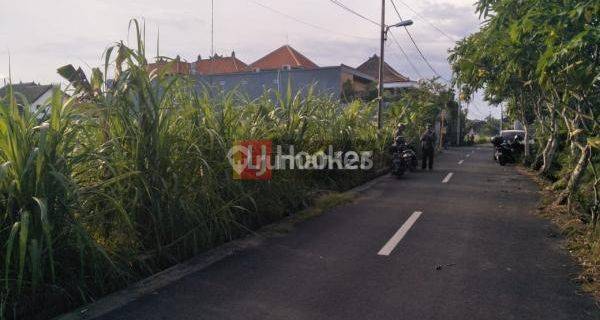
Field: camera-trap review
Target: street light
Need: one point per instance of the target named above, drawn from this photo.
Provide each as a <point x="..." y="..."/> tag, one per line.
<point x="384" y="31"/>
<point x="404" y="23"/>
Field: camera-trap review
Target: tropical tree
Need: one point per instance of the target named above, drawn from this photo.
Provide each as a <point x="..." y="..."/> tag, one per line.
<point x="541" y="57"/>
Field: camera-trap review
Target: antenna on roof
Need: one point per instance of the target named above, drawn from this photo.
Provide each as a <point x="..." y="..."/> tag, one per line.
<point x="144" y="36"/>
<point x="212" y="28"/>
<point x="9" y="69"/>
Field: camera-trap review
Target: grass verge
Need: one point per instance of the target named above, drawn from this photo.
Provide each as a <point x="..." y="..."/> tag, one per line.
<point x="581" y="241"/>
<point x="320" y="204"/>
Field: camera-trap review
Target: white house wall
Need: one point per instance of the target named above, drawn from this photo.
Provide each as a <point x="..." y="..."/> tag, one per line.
<point x="42" y="102"/>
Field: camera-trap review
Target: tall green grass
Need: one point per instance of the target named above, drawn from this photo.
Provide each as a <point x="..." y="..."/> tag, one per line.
<point x="45" y="246"/>
<point x="130" y="176"/>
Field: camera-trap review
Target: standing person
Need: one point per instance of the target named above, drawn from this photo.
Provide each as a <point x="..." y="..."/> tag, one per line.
<point x="428" y="147"/>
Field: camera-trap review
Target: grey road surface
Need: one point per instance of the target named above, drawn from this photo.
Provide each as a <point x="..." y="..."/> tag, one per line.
<point x="461" y="242"/>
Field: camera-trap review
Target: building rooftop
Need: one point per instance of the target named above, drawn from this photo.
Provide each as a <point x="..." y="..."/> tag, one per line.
<point x="175" y="66"/>
<point x="30" y="90"/>
<point x="219" y="65"/>
<point x="390" y="75"/>
<point x="283" y="57"/>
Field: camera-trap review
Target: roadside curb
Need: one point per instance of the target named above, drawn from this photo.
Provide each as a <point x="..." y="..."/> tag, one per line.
<point x="379" y="176"/>
<point x="202" y="261"/>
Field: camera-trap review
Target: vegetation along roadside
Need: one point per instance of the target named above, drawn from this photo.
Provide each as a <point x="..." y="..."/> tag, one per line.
<point x="128" y="175"/>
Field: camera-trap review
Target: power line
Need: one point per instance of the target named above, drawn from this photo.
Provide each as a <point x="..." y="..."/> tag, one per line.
<point x="406" y="56"/>
<point x="308" y="23"/>
<point x="336" y="2"/>
<point x="343" y="6"/>
<point x="426" y="20"/>
<point x="413" y="40"/>
<point x="415" y="44"/>
<point x="377" y="24"/>
<point x="421" y="54"/>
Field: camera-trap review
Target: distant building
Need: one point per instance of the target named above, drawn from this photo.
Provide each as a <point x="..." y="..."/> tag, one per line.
<point x="283" y="68"/>
<point x="328" y="81"/>
<point x="279" y="70"/>
<point x="283" y="58"/>
<point x="36" y="96"/>
<point x="218" y="65"/>
<point x="392" y="79"/>
<point x="175" y="66"/>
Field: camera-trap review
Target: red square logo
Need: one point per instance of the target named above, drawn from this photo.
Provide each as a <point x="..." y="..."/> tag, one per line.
<point x="250" y="159"/>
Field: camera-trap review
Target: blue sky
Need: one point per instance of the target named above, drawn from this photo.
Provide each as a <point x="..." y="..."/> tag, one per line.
<point x="43" y="35"/>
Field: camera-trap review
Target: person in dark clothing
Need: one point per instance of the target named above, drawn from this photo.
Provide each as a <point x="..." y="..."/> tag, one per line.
<point x="428" y="148"/>
<point x="399" y="135"/>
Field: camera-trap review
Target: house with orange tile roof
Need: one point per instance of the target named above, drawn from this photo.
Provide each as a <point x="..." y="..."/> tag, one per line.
<point x="283" y="58"/>
<point x="283" y="68"/>
<point x="218" y="65"/>
<point x="173" y="67"/>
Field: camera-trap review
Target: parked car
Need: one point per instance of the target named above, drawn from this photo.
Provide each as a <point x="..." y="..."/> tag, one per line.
<point x="510" y="134"/>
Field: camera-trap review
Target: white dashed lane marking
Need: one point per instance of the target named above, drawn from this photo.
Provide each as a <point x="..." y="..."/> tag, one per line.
<point x="448" y="177"/>
<point x="399" y="235"/>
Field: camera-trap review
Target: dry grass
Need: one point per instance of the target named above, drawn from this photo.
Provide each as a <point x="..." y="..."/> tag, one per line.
<point x="320" y="204"/>
<point x="581" y="241"/>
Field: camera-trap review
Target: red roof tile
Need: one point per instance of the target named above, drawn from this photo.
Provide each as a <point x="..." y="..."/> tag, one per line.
<point x="176" y="67"/>
<point x="220" y="65"/>
<point x="282" y="57"/>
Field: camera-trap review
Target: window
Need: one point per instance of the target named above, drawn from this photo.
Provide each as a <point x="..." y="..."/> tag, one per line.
<point x="275" y="81"/>
<point x="287" y="67"/>
<point x="222" y="83"/>
<point x="244" y="82"/>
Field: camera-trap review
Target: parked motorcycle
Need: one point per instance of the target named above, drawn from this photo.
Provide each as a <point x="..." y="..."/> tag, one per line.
<point x="403" y="158"/>
<point x="506" y="151"/>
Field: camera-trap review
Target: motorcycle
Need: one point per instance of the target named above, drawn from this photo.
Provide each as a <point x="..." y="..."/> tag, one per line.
<point x="403" y="158"/>
<point x="506" y="151"/>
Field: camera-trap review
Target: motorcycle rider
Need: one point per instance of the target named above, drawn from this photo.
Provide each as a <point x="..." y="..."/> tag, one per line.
<point x="399" y="140"/>
<point x="403" y="158"/>
<point x="428" y="147"/>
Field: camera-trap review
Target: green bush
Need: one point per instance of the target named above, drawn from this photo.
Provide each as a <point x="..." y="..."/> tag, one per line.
<point x="481" y="139"/>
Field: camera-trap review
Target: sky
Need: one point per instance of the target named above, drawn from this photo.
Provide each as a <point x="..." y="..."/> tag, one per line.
<point x="40" y="36"/>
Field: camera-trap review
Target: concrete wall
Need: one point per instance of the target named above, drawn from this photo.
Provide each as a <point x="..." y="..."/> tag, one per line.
<point x="326" y="81"/>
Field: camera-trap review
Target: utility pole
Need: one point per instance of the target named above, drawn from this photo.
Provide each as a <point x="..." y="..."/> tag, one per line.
<point x="458" y="123"/>
<point x="158" y="44"/>
<point x="381" y="64"/>
<point x="443" y="130"/>
<point x="501" y="116"/>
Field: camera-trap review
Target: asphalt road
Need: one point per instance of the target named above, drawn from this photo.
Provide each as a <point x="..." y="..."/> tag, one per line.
<point x="415" y="248"/>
